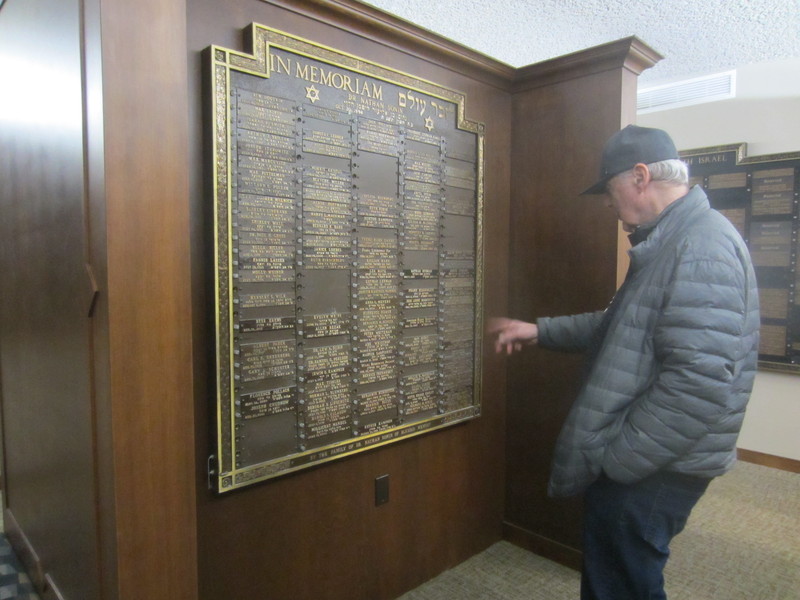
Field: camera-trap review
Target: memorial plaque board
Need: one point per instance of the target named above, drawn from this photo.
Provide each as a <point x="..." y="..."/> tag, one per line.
<point x="348" y="203"/>
<point x="759" y="195"/>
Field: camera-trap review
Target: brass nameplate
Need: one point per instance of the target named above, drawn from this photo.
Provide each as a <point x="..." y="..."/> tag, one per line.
<point x="348" y="203"/>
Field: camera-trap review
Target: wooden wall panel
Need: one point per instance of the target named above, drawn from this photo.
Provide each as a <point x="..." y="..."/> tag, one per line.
<point x="49" y="491"/>
<point x="317" y="534"/>
<point x="563" y="260"/>
<point x="148" y="301"/>
<point x="97" y="236"/>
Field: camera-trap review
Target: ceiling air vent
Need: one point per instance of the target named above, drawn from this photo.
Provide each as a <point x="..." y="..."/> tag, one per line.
<point x="685" y="93"/>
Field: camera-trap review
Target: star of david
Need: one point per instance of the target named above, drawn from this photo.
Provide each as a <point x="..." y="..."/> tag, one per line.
<point x="312" y="93"/>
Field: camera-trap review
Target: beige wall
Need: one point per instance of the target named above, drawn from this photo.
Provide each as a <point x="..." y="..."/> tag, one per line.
<point x="765" y="115"/>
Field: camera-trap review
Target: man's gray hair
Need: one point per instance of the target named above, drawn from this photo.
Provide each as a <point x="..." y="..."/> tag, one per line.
<point x="672" y="171"/>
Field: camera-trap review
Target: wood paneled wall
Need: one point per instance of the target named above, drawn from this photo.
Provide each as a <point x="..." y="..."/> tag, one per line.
<point x="563" y="260"/>
<point x="107" y="418"/>
<point x="149" y="304"/>
<point x="97" y="390"/>
<point x="317" y="533"/>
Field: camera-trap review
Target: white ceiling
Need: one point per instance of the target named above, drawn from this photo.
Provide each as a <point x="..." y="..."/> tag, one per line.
<point x="696" y="37"/>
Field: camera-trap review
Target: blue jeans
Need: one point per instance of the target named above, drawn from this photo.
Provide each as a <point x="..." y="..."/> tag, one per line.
<point x="627" y="531"/>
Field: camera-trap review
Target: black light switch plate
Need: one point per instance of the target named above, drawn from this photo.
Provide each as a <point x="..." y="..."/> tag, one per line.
<point x="381" y="490"/>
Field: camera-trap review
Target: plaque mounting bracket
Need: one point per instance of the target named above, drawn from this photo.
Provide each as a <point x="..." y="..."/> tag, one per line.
<point x="212" y="471"/>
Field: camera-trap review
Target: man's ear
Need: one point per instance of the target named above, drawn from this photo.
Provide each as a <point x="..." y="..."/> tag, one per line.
<point x="641" y="175"/>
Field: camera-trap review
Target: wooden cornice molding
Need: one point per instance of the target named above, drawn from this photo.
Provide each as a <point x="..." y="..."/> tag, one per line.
<point x="370" y="23"/>
<point x="629" y="53"/>
<point x="641" y="56"/>
<point x="401" y="35"/>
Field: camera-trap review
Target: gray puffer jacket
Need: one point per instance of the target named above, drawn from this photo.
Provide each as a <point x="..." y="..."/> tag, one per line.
<point x="672" y="375"/>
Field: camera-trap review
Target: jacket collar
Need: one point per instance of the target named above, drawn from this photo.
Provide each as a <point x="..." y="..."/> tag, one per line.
<point x="674" y="219"/>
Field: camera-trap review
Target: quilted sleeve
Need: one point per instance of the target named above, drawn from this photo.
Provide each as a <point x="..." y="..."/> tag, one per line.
<point x="698" y="349"/>
<point x="571" y="333"/>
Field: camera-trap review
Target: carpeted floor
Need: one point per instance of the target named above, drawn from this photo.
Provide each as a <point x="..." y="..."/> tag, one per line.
<point x="503" y="572"/>
<point x="742" y="542"/>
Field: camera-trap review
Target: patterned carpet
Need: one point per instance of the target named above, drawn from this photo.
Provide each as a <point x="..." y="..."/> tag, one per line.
<point x="14" y="583"/>
<point x="742" y="542"/>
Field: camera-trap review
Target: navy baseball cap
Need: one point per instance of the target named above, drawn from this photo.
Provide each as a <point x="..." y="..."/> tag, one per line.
<point x="629" y="147"/>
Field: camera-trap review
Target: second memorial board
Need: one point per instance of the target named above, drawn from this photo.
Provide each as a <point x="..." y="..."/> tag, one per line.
<point x="348" y="204"/>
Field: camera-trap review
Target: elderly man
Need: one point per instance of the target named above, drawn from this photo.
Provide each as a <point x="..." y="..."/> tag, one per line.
<point x="670" y="367"/>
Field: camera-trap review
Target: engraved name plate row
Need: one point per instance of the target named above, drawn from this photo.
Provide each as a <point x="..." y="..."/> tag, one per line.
<point x="348" y="243"/>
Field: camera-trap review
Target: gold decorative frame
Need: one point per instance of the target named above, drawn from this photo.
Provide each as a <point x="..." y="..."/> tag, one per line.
<point x="224" y="474"/>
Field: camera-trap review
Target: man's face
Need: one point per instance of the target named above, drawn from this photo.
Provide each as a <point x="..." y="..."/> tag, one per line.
<point x="624" y="197"/>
